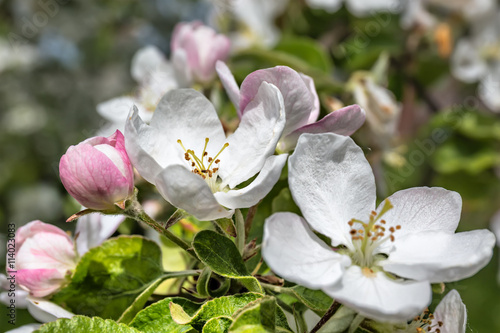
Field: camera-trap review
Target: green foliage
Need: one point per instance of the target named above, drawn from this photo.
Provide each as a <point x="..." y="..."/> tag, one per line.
<point x="221" y="255"/>
<point x="110" y="277"/>
<point x="82" y="324"/>
<point x="156" y="318"/>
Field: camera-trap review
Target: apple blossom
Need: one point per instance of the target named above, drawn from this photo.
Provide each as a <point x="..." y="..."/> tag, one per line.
<point x="301" y="103"/>
<point x="185" y="153"/>
<point x="382" y="109"/>
<point x="477" y="58"/>
<point x="381" y="261"/>
<point x="45" y="255"/>
<point x="155" y="76"/>
<point x="97" y="172"/>
<point x="195" y="50"/>
<point x="450" y="316"/>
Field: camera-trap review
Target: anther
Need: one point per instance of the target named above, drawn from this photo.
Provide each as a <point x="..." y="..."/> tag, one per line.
<point x="398" y="227"/>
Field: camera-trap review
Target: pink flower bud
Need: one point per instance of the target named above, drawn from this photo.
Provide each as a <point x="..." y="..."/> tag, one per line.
<point x="45" y="255"/>
<point x="97" y="172"/>
<point x="195" y="50"/>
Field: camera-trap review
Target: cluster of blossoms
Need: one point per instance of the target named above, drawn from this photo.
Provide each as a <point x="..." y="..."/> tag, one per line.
<point x="378" y="261"/>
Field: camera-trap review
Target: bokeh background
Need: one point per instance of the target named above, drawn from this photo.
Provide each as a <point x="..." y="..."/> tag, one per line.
<point x="59" y="59"/>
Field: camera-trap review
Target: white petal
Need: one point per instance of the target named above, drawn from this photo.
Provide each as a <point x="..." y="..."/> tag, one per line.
<point x="25" y="328"/>
<point x="466" y="62"/>
<point x="146" y="61"/>
<point x="371" y="7"/>
<point x="423" y="209"/>
<point x="328" y="5"/>
<point x="45" y="311"/>
<point x="258" y="189"/>
<point x="256" y="137"/>
<point x="379" y="297"/>
<point x="187" y="115"/>
<point x="439" y="256"/>
<point x="495" y="226"/>
<point x="145" y="147"/>
<point x="294" y="252"/>
<point x="489" y="89"/>
<point x="452" y="313"/>
<point x="313" y="116"/>
<point x="229" y="83"/>
<point x="190" y="192"/>
<point x="93" y="229"/>
<point x="117" y="109"/>
<point x="332" y="182"/>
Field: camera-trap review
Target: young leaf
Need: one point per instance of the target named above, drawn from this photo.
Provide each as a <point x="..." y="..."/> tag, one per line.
<point x="156" y="318"/>
<point x="110" y="277"/>
<point x="219" y="307"/>
<point x="221" y="255"/>
<point x="217" y="325"/>
<point x="83" y="324"/>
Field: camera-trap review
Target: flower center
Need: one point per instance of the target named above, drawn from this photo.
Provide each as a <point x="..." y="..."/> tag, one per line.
<point x="367" y="237"/>
<point x="205" y="166"/>
<point x="425" y="323"/>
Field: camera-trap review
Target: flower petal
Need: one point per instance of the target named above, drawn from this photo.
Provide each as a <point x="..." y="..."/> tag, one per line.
<point x="344" y="122"/>
<point x="45" y="311"/>
<point x="93" y="229"/>
<point x="313" y="116"/>
<point x="117" y="109"/>
<point x="423" y="209"/>
<point x="190" y="192"/>
<point x="229" y="83"/>
<point x="378" y="297"/>
<point x="466" y="62"/>
<point x="332" y="182"/>
<point x="452" y="313"/>
<point x="256" y="137"/>
<point x="438" y="256"/>
<point x="28" y="328"/>
<point x="145" y="147"/>
<point x="489" y="87"/>
<point x="294" y="252"/>
<point x="146" y="61"/>
<point x="187" y="115"/>
<point x="298" y="100"/>
<point x="258" y="189"/>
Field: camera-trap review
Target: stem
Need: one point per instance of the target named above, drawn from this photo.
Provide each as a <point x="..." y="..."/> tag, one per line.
<point x="143" y="217"/>
<point x="329" y="314"/>
<point x="180" y="274"/>
<point x="355" y="323"/>
<point x="299" y="321"/>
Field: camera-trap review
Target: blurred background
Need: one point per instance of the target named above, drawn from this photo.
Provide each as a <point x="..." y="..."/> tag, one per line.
<point x="431" y="112"/>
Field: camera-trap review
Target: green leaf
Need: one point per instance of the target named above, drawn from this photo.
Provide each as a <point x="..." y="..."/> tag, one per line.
<point x="340" y="321"/>
<point x="217" y="325"/>
<point x="227" y="225"/>
<point x="315" y="300"/>
<point x="221" y="255"/>
<point x="82" y="324"/>
<point x="262" y="315"/>
<point x="109" y="278"/>
<point x="156" y="318"/>
<point x="219" y="307"/>
<point x="306" y="49"/>
<point x="139" y="302"/>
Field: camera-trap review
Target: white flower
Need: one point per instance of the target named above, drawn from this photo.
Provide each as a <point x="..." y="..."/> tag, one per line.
<point x="186" y="154"/>
<point x="381" y="262"/>
<point x="382" y="109"/>
<point x="477" y="58"/>
<point x="357" y="7"/>
<point x="450" y="316"/>
<point x="256" y="19"/>
<point x="155" y="76"/>
<point x="495" y="227"/>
